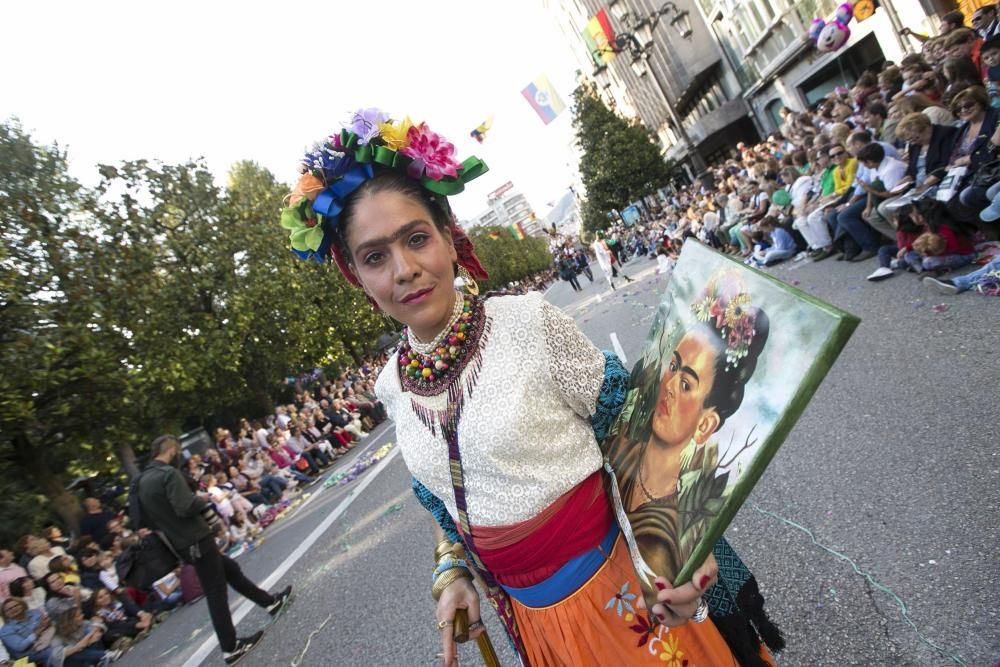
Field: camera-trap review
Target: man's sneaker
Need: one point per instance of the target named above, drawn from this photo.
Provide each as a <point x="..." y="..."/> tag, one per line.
<point x="243" y="646"/>
<point x="280" y="602"/>
<point x="881" y="273"/>
<point x="941" y="285"/>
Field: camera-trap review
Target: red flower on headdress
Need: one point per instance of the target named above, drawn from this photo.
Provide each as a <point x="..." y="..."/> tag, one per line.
<point x="432" y="155"/>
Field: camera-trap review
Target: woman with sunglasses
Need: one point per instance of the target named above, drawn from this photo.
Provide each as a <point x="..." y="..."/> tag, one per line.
<point x="972" y="148"/>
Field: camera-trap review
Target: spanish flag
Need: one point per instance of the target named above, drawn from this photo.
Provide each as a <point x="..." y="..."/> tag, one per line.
<point x="517" y="231"/>
<point x="599" y="38"/>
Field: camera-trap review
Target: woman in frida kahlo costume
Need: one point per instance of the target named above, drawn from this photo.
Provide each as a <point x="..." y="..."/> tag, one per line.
<point x="499" y="402"/>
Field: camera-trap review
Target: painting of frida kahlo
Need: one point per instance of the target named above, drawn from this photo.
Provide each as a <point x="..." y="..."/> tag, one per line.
<point x="730" y="362"/>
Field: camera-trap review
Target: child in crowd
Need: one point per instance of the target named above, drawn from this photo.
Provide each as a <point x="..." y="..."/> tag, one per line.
<point x="242" y="530"/>
<point x="781" y="245"/>
<point x="121" y="617"/>
<point x="892" y="255"/>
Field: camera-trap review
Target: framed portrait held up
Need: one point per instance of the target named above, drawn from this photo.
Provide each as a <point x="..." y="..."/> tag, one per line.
<point x="731" y="361"/>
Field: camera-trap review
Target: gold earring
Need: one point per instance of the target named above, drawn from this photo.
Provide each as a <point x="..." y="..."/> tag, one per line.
<point x="466" y="281"/>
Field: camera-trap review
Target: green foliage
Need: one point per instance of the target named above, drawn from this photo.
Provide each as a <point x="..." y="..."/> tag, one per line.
<point x="507" y="259"/>
<point x="154" y="299"/>
<point x="621" y="162"/>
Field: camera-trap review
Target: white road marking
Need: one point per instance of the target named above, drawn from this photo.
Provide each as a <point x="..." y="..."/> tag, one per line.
<point x="618" y="348"/>
<point x="209" y="645"/>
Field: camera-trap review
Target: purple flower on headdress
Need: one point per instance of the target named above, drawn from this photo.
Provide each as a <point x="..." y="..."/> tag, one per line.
<point x="365" y="122"/>
<point x="432" y="154"/>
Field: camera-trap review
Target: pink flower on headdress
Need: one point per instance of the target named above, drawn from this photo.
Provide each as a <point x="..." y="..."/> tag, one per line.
<point x="432" y="155"/>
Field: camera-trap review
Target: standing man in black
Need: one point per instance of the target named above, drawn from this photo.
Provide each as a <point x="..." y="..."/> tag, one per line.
<point x="167" y="504"/>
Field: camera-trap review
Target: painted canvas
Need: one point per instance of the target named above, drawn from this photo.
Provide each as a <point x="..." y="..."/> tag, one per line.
<point x="731" y="361"/>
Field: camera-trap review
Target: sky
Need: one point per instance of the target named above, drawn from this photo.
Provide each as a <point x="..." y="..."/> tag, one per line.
<point x="229" y="81"/>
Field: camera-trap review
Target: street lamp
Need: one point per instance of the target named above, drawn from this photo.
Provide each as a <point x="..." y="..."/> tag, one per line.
<point x="637" y="41"/>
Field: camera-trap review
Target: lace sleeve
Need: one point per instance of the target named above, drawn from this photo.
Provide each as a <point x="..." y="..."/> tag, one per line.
<point x="576" y="366"/>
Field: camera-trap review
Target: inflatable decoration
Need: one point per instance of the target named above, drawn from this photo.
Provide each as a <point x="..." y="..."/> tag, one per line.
<point x="815" y="28"/>
<point x="844" y="13"/>
<point x="833" y="36"/>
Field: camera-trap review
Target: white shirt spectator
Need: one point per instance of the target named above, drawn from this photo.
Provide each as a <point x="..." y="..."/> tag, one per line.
<point x="890" y="171"/>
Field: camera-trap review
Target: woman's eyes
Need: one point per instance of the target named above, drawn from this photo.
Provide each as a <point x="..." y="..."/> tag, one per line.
<point x="415" y="241"/>
<point x="685" y="385"/>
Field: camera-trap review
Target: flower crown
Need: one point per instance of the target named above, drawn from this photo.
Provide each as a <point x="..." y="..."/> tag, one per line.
<point x="335" y="168"/>
<point x="729" y="306"/>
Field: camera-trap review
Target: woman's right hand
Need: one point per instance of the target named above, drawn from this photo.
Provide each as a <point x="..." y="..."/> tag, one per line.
<point x="460" y="594"/>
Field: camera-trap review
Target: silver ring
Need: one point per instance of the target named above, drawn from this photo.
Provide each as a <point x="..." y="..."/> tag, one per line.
<point x="701" y="613"/>
<point x="475" y="626"/>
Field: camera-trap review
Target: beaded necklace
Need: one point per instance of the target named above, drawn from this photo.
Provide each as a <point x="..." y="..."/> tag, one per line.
<point x="427" y="371"/>
<point x="435" y="343"/>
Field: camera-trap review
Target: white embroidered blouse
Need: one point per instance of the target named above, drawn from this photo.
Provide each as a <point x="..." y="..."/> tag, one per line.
<point x="524" y="435"/>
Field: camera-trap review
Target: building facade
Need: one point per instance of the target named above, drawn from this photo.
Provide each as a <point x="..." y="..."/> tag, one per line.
<point x="682" y="86"/>
<point x="776" y="65"/>
<point x="507" y="207"/>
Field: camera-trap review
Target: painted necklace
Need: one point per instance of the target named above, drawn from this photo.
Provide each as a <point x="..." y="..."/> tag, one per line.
<point x="429" y="370"/>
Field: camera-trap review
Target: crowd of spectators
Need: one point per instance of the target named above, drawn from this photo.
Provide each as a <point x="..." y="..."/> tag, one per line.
<point x="69" y="601"/>
<point x="902" y="169"/>
<point x="898" y="173"/>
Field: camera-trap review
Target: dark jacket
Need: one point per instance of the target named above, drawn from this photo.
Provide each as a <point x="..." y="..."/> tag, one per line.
<point x="166" y="503"/>
<point x="980" y="153"/>
<point x="938" y="151"/>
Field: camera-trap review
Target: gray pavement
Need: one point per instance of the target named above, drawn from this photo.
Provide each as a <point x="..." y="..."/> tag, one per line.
<point x="894" y="469"/>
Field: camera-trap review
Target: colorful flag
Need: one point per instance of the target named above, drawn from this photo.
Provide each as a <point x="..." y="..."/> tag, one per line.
<point x="517" y="231"/>
<point x="544" y="99"/>
<point x="599" y="38"/>
<point x="480" y="132"/>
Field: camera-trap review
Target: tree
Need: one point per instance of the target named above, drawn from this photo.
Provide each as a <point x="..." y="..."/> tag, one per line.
<point x="60" y="373"/>
<point x="506" y="258"/>
<point x="156" y="299"/>
<point x="620" y="163"/>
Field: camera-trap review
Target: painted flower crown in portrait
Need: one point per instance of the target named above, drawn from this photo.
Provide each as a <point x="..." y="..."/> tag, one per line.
<point x="725" y="305"/>
<point x="336" y="167"/>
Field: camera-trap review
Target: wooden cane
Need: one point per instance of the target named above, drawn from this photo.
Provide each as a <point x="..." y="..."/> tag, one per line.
<point x="461" y="635"/>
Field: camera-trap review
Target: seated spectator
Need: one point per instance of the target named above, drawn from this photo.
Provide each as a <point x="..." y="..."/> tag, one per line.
<point x="220" y="497"/>
<point x="166" y="593"/>
<point x="242" y="530"/>
<point x="928" y="150"/>
<point x="349" y="421"/>
<point x="90" y="569"/>
<point x="59" y="595"/>
<point x="55" y="537"/>
<point x="27" y="633"/>
<point x="886" y="175"/>
<point x="65" y="567"/>
<point x="95" y="519"/>
<point x="246" y="487"/>
<point x="24" y="589"/>
<point x="959" y="284"/>
<point x="122" y="619"/>
<point x="892" y="256"/>
<point x="41" y="553"/>
<point x="782" y="244"/>
<point x="9" y="571"/>
<point x="959" y="74"/>
<point x="80" y="641"/>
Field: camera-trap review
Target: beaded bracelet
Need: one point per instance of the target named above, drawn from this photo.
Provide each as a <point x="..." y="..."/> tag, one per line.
<point x="448" y="564"/>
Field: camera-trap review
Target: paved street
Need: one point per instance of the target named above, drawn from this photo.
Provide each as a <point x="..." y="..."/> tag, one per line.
<point x="894" y="470"/>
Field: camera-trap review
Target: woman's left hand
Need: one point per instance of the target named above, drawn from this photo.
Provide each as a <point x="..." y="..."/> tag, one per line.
<point x="676" y="606"/>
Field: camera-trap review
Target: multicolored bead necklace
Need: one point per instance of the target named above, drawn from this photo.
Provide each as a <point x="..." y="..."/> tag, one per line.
<point x="427" y="369"/>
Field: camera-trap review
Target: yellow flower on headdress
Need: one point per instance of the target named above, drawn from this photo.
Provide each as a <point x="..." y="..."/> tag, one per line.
<point x="396" y="135"/>
<point x="736" y="309"/>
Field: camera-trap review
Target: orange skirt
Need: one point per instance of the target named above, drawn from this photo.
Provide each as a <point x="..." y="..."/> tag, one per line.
<point x="600" y="624"/>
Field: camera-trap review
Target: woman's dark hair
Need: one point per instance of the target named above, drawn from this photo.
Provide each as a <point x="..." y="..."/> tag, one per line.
<point x="731" y="380"/>
<point x="937" y="215"/>
<point x="390" y="180"/>
<point x="960" y="69"/>
<point x="977" y="94"/>
<point x="17" y="586"/>
<point x="728" y="384"/>
<point x="49" y="593"/>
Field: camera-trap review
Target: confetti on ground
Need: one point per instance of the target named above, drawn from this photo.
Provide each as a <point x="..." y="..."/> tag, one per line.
<point x="854" y="288"/>
<point x="940" y="308"/>
<point x="300" y="656"/>
<point x="347" y="476"/>
<point x="345" y="547"/>
<point x="392" y="509"/>
<point x="918" y="304"/>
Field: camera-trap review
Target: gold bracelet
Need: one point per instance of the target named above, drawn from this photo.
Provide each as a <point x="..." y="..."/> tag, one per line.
<point x="447" y="578"/>
<point x="442" y="549"/>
